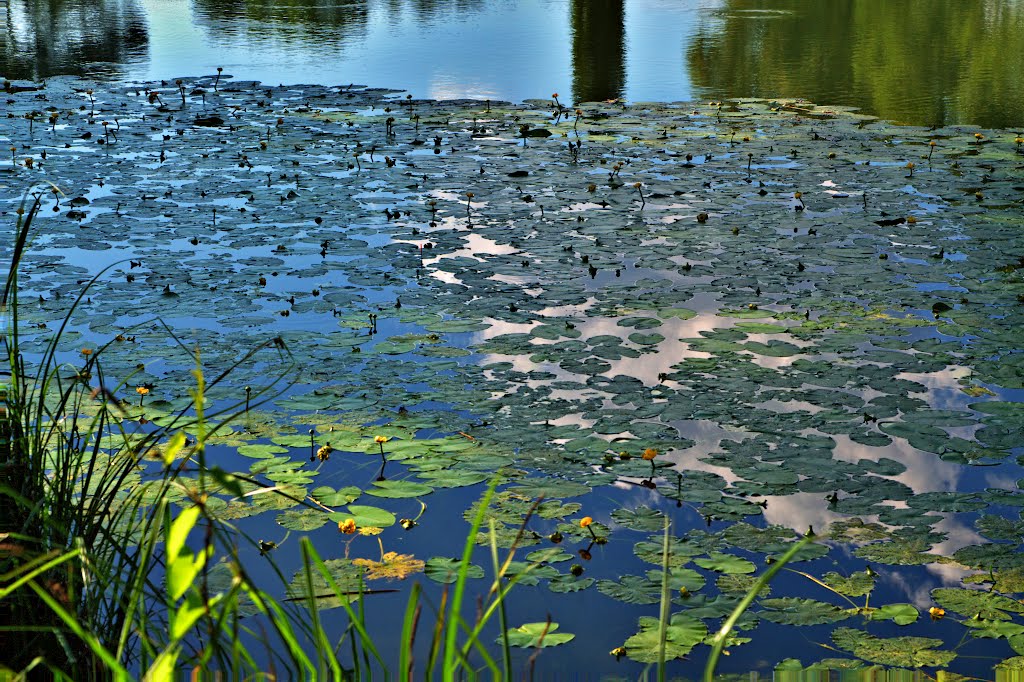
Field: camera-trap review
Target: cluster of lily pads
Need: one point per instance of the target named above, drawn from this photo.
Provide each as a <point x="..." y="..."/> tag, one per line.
<point x="809" y="316"/>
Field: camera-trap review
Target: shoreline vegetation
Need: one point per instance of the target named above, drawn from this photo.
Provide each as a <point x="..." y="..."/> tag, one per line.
<point x="328" y="306"/>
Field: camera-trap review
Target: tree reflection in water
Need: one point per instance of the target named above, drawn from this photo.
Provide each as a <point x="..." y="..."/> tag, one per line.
<point x="918" y="62"/>
<point x="42" y="38"/>
<point x="598" y="49"/>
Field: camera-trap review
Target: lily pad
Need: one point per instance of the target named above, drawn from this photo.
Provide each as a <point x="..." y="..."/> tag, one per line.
<point x="534" y="635"/>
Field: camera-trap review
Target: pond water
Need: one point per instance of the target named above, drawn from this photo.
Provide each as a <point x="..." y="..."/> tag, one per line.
<point x="926" y="62"/>
<point x="807" y="318"/>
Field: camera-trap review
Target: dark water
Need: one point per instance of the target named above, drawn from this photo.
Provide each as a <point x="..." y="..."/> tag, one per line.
<point x="917" y="61"/>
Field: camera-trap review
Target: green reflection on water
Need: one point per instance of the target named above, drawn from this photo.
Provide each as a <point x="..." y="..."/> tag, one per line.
<point x="920" y="62"/>
<point x="598" y="50"/>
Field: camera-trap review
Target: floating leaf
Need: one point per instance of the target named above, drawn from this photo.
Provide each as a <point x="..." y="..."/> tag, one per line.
<point x="681" y="635"/>
<point x="976" y="604"/>
<point x="399" y="489"/>
<point x="793" y="611"/>
<point x="302" y="520"/>
<point x="725" y="563"/>
<point x="854" y="585"/>
<point x="366" y="516"/>
<point x="901" y="614"/>
<point x="445" y="570"/>
<point x="907" y="652"/>
<point x="329" y="497"/>
<point x="631" y="589"/>
<point x="533" y="635"/>
<point x="391" y="565"/>
<point x="641" y="518"/>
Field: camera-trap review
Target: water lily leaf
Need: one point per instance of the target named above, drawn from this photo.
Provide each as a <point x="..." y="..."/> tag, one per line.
<point x="399" y="489"/>
<point x="907" y="652"/>
<point x="739" y="584"/>
<point x="682" y="634"/>
<point x="975" y="603"/>
<point x="556" y="509"/>
<point x="725" y="563"/>
<point x="294" y="441"/>
<point x="446" y="570"/>
<point x="1011" y="664"/>
<point x="631" y="589"/>
<point x="550" y="555"/>
<point x="854" y="585"/>
<point x="901" y="614"/>
<point x="348" y="576"/>
<point x="302" y="519"/>
<point x="897" y="552"/>
<point x="452" y="478"/>
<point x="391" y="566"/>
<point x="366" y="516"/>
<point x="261" y="450"/>
<point x="530" y="574"/>
<point x="793" y="611"/>
<point x="678" y="313"/>
<point x="995" y="629"/>
<point x="534" y="635"/>
<point x="990" y="556"/>
<point x="330" y="497"/>
<point x="567" y="582"/>
<point x="679" y="579"/>
<point x="549" y="487"/>
<point x="641" y="518"/>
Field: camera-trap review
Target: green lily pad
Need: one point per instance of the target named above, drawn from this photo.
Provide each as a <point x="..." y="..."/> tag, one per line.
<point x="682" y="633"/>
<point x="641" y="518"/>
<point x="446" y="570"/>
<point x="725" y="563"/>
<point x="631" y="589"/>
<point x="901" y="614"/>
<point x="399" y="489"/>
<point x="976" y="604"/>
<point x="793" y="611"/>
<point x="330" y="497"/>
<point x="262" y="450"/>
<point x="534" y="635"/>
<point x="366" y="516"/>
<point x="906" y="652"/>
<point x="302" y="519"/>
<point x="854" y="585"/>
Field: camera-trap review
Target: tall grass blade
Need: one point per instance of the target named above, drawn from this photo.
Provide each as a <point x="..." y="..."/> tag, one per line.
<point x="748" y="599"/>
<point x="666" y="603"/>
<point x="412" y="616"/>
<point x="451" y="650"/>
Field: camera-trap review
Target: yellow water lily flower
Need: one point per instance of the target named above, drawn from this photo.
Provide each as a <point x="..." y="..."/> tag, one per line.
<point x="348" y="526"/>
<point x="586" y="521"/>
<point x="649" y="454"/>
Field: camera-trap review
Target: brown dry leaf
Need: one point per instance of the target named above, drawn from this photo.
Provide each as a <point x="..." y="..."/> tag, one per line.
<point x="392" y="565"/>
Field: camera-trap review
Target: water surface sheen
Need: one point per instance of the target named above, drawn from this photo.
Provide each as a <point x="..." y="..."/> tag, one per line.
<point x="922" y="62"/>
